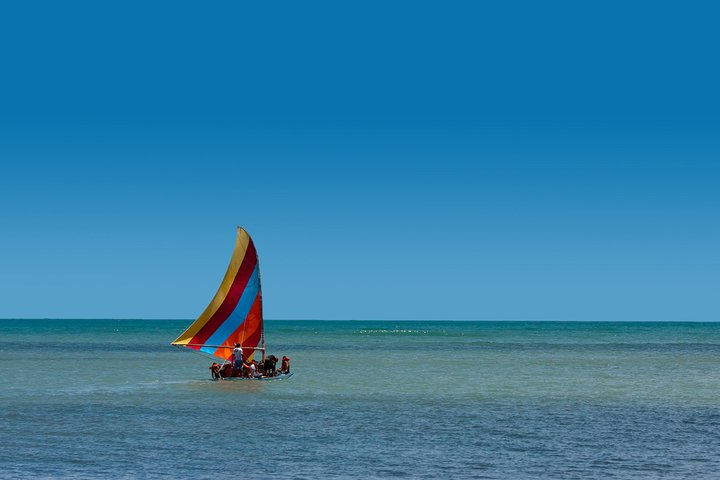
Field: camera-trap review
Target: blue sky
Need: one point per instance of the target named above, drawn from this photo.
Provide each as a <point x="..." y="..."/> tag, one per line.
<point x="417" y="160"/>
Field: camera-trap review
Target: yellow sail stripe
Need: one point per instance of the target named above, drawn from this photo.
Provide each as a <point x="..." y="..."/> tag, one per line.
<point x="241" y="244"/>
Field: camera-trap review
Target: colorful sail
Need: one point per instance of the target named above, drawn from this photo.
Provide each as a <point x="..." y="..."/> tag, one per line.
<point x="235" y="313"/>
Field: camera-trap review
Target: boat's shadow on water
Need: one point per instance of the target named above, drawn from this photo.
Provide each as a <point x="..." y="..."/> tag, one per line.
<point x="248" y="386"/>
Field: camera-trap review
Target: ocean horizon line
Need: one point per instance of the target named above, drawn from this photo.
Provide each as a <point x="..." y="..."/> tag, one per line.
<point x="358" y="320"/>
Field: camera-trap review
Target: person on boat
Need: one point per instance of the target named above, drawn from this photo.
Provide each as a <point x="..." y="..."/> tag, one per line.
<point x="285" y="365"/>
<point x="215" y="371"/>
<point x="248" y="369"/>
<point x="237" y="356"/>
<point x="270" y="366"/>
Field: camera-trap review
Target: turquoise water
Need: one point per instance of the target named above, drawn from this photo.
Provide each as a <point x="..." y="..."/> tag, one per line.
<point x="102" y="398"/>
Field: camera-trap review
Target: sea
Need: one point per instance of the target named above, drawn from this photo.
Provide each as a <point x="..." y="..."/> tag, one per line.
<point x="87" y="399"/>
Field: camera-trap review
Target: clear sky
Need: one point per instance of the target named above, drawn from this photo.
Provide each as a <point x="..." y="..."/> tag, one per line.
<point x="392" y="160"/>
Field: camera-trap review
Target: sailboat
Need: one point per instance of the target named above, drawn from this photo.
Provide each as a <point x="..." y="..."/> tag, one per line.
<point x="235" y="314"/>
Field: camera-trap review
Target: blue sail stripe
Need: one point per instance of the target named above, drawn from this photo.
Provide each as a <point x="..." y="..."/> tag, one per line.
<point x="237" y="316"/>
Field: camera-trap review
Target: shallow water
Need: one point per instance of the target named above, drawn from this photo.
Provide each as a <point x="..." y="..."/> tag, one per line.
<point x="100" y="398"/>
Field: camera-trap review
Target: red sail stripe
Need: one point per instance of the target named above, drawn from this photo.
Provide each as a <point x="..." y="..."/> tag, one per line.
<point x="232" y="298"/>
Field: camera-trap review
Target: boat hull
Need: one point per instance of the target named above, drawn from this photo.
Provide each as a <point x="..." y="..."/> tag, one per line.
<point x="263" y="379"/>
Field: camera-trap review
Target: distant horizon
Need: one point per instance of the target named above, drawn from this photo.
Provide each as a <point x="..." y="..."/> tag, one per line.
<point x="375" y="320"/>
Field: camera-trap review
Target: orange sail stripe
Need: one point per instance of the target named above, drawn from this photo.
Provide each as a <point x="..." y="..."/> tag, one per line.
<point x="247" y="334"/>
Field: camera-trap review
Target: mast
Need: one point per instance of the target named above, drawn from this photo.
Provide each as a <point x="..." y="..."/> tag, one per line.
<point x="262" y="324"/>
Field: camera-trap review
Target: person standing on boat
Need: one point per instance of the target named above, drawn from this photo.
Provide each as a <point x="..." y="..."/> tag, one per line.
<point x="237" y="356"/>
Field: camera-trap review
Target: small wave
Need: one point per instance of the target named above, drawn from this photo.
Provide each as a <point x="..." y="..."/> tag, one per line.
<point x="396" y="331"/>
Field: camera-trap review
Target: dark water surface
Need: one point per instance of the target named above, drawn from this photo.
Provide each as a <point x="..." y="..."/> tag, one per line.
<point x="109" y="398"/>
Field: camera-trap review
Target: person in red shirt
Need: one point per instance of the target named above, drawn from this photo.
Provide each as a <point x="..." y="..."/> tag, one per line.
<point x="285" y="365"/>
